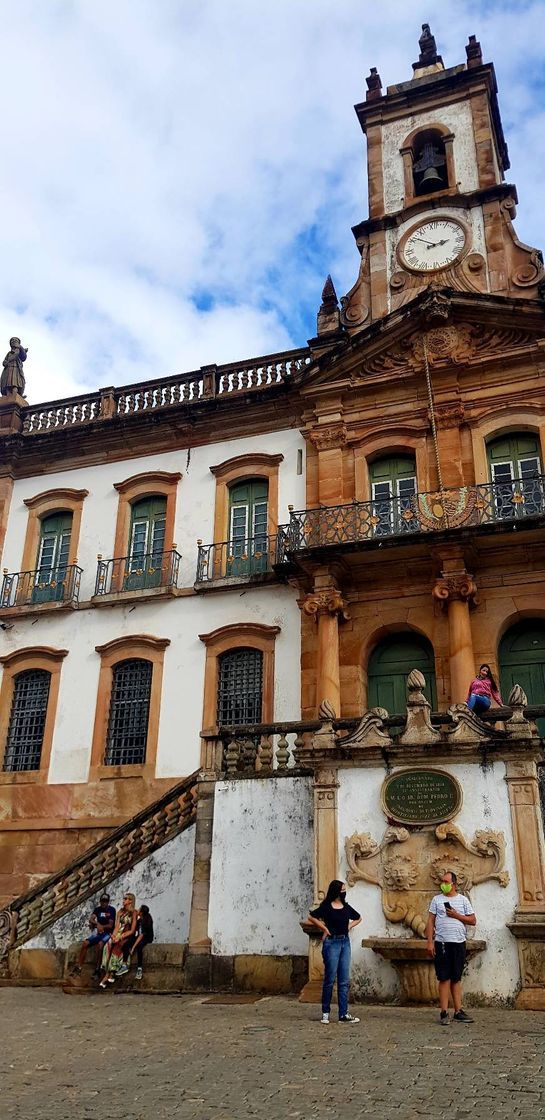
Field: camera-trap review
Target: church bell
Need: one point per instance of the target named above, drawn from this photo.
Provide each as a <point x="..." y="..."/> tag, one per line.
<point x="431" y="159"/>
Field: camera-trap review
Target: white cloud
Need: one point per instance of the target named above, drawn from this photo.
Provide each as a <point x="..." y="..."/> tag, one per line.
<point x="157" y="154"/>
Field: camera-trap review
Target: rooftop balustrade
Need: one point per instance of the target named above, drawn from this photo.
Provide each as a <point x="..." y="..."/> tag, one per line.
<point x="209" y="382"/>
<point x="59" y="585"/>
<point x="492" y="503"/>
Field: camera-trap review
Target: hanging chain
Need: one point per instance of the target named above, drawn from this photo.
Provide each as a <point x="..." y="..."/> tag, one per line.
<point x="431" y="406"/>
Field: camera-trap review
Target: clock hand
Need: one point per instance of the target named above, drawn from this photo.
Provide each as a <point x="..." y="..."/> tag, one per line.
<point x="430" y="244"/>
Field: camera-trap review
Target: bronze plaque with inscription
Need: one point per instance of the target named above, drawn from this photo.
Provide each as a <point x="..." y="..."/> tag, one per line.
<point x="421" y="796"/>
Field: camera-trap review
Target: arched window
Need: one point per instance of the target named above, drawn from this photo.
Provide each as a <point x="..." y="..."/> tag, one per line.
<point x="146" y="543"/>
<point x="248" y="525"/>
<point x="389" y="666"/>
<point x="516" y="473"/>
<point x="521" y="659"/>
<point x="240" y="687"/>
<point x="127" y="735"/>
<point x="393" y="487"/>
<point x="53" y="558"/>
<point x="430" y="170"/>
<point x="27" y="720"/>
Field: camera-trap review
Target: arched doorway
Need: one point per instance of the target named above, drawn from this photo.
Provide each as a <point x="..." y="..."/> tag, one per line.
<point x="389" y="666"/>
<point x="522" y="661"/>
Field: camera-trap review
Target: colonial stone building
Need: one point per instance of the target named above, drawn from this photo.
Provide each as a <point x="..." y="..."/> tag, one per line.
<point x="267" y="542"/>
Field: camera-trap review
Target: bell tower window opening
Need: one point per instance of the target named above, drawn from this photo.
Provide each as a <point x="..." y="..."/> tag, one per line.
<point x="430" y="166"/>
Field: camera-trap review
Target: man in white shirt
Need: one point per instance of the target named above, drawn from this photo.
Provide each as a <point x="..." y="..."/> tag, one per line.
<point x="449" y="914"/>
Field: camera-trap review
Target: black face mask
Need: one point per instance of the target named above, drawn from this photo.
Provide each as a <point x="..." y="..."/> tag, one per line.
<point x="342" y="896"/>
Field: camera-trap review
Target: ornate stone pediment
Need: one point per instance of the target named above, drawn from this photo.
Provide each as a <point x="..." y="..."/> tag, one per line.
<point x="408" y="866"/>
<point x="370" y="731"/>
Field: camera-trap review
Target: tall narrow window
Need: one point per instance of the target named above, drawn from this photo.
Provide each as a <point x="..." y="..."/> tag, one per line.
<point x="27" y="720"/>
<point x="129" y="712"/>
<point x="240" y="687"/>
<point x="50" y="580"/>
<point x="516" y="475"/>
<point x="393" y="487"/>
<point x="146" y="544"/>
<point x="248" y="514"/>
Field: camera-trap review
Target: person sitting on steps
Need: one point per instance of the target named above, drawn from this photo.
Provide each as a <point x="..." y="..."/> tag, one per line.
<point x="101" y="922"/>
<point x="143" y="935"/>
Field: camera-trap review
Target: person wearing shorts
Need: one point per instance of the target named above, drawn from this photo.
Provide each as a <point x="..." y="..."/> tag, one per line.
<point x="449" y="915"/>
<point x="101" y="922"/>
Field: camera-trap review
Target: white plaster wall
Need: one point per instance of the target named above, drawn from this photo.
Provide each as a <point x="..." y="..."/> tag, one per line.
<point x="163" y="881"/>
<point x="493" y="974"/>
<point x="194" y="506"/>
<point x="181" y="621"/>
<point x="458" y="119"/>
<point x="261" y="873"/>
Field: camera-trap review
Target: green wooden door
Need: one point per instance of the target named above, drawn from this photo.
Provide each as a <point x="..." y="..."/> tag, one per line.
<point x="50" y="581"/>
<point x="146" y="545"/>
<point x="522" y="661"/>
<point x="393" y="486"/>
<point x="389" y="666"/>
<point x="515" y="471"/>
<point x="248" y="523"/>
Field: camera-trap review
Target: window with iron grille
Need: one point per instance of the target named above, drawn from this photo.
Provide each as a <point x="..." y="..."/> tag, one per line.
<point x="129" y="712"/>
<point x="240" y="688"/>
<point x="27" y="720"/>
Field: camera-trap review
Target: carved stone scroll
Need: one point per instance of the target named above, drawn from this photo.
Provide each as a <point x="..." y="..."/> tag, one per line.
<point x="370" y="731"/>
<point x="407" y="866"/>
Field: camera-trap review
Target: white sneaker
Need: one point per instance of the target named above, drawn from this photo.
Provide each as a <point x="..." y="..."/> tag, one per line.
<point x="349" y="1019"/>
<point x="325" y="1018"/>
<point x="139" y="973"/>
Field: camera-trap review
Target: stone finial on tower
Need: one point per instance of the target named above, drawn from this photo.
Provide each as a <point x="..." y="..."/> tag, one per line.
<point x="473" y="52"/>
<point x="329" y="315"/>
<point x="428" y="58"/>
<point x="374" y="85"/>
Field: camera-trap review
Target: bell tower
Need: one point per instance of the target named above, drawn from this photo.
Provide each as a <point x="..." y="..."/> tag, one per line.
<point x="440" y="210"/>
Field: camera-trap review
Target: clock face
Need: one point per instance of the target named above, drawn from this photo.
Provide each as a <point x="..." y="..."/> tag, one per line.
<point x="433" y="245"/>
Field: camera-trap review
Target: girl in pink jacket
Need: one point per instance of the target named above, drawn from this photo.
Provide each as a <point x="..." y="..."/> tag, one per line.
<point x="482" y="691"/>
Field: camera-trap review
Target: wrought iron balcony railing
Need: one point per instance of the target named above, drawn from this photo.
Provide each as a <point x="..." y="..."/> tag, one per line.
<point x="236" y="559"/>
<point x="493" y="503"/>
<point x="44" y="585"/>
<point x="139" y="572"/>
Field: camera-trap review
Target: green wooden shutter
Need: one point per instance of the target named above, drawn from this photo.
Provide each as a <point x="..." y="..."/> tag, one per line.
<point x="146" y="544"/>
<point x="248" y="525"/>
<point x="522" y="661"/>
<point x="50" y="582"/>
<point x="393" y="486"/>
<point x="389" y="666"/>
<point x="515" y="470"/>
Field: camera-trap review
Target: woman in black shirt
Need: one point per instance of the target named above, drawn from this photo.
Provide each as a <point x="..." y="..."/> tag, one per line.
<point x="336" y="918"/>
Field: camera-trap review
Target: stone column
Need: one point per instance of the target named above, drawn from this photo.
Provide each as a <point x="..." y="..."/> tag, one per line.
<point x="529" y="924"/>
<point x="329" y="438"/>
<point x="524" y="801"/>
<point x="198" y="965"/>
<point x="326" y="605"/>
<point x="325" y="861"/>
<point x="457" y="588"/>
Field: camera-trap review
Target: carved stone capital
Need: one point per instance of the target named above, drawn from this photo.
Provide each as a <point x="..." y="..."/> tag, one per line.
<point x="455" y="586"/>
<point x="449" y="415"/>
<point x="329" y="437"/>
<point x="326" y="601"/>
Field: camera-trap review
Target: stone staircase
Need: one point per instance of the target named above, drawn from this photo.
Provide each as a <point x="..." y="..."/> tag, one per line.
<point x="32" y="913"/>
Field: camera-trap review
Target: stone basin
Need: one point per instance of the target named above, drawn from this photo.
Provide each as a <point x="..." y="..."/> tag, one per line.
<point x="414" y="967"/>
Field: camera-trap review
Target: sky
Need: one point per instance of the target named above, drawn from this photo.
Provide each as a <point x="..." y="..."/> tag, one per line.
<point x="179" y="176"/>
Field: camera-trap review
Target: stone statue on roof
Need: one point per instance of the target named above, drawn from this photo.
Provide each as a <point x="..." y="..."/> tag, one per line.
<point x="13" y="378"/>
<point x="428" y="46"/>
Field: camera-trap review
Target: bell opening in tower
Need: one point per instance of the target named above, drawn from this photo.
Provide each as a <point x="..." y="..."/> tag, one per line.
<point x="430" y="170"/>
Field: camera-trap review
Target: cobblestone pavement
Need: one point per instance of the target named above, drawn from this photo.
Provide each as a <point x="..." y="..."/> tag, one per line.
<point x="108" y="1057"/>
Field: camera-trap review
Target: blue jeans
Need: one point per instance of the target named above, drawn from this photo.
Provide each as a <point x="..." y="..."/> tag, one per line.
<point x="336" y="954"/>
<point x="478" y="703"/>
